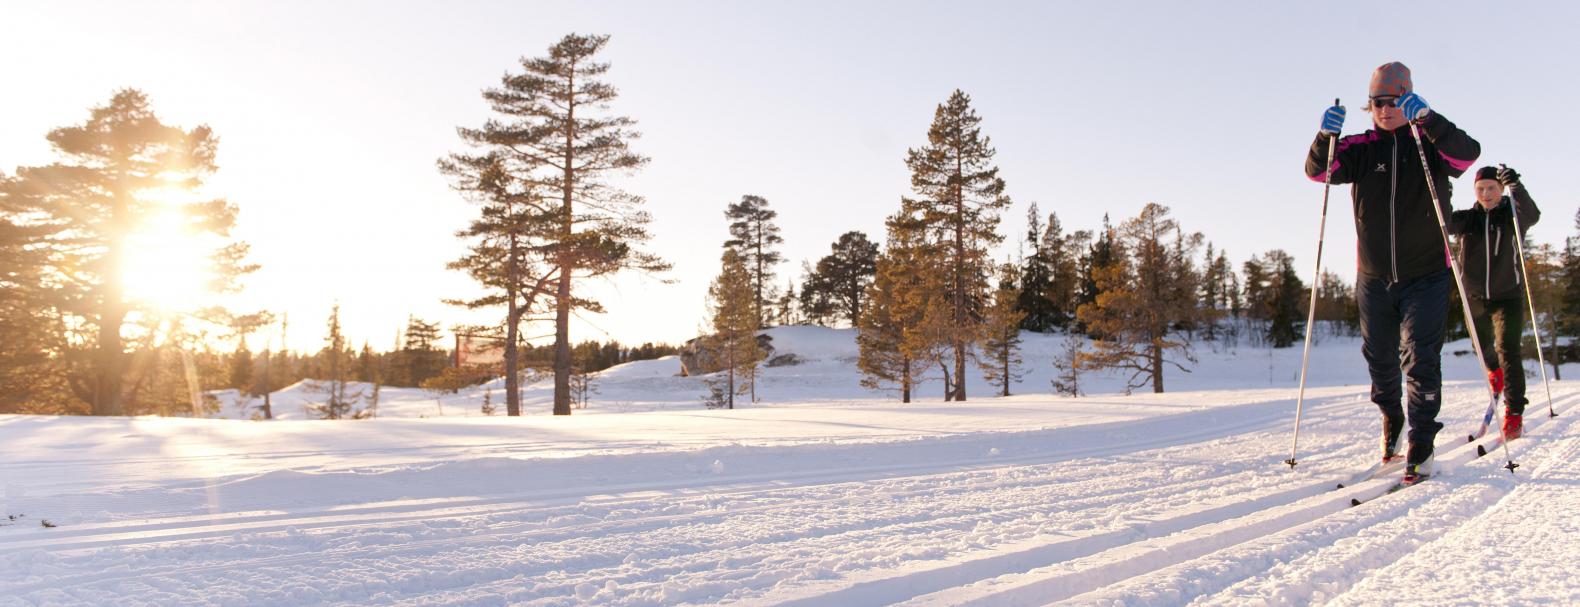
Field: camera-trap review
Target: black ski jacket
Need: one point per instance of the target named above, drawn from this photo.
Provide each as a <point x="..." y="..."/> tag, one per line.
<point x="1486" y="246"/>
<point x="1396" y="230"/>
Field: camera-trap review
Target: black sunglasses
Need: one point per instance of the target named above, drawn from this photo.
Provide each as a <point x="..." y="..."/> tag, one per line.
<point x="1383" y="101"/>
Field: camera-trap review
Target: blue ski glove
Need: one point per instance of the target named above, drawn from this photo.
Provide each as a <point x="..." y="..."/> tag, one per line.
<point x="1333" y="120"/>
<point x="1413" y="106"/>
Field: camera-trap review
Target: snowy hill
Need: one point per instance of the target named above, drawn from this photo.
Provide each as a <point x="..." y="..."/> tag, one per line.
<point x="823" y="494"/>
<point x="826" y="372"/>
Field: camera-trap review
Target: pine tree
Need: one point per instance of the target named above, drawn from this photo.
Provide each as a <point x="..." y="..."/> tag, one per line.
<point x="734" y="320"/>
<point x="1037" y="303"/>
<point x="1100" y="254"/>
<point x="1068" y="364"/>
<point x="838" y="284"/>
<point x="895" y="347"/>
<point x="30" y="311"/>
<point x="1139" y="307"/>
<point x="816" y="300"/>
<point x="418" y="359"/>
<point x="785" y="306"/>
<point x="508" y="254"/>
<point x="755" y="237"/>
<point x="959" y="196"/>
<point x="116" y="171"/>
<point x="1000" y="360"/>
<point x="555" y="129"/>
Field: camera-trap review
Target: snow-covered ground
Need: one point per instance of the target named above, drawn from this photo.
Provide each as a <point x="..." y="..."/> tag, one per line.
<point x="823" y="494"/>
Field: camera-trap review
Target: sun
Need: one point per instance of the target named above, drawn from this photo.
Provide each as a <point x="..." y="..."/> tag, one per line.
<point x="166" y="264"/>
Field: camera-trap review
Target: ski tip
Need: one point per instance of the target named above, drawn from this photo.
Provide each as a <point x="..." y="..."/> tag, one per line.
<point x="1341" y="485"/>
<point x="1354" y="502"/>
<point x="1481" y="451"/>
<point x="1471" y="439"/>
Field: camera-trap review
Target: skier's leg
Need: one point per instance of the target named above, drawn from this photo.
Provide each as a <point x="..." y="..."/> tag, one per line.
<point x="1380" y="346"/>
<point x="1509" y="324"/>
<point x="1424" y="318"/>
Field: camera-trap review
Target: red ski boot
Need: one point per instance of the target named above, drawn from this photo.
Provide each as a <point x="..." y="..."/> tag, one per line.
<point x="1511" y="427"/>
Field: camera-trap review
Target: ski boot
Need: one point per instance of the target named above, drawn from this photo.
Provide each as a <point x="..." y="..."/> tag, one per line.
<point x="1392" y="433"/>
<point x="1512" y="426"/>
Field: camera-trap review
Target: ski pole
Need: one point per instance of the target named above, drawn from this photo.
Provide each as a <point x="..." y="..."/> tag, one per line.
<point x="1459" y="281"/>
<point x="1536" y="326"/>
<point x="1316" y="281"/>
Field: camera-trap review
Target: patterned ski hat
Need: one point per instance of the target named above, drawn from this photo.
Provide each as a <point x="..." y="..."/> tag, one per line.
<point x="1390" y="79"/>
<point x="1487" y="172"/>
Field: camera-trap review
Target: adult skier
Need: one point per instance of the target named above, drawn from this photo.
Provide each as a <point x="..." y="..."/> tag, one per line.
<point x="1403" y="278"/>
<point x="1495" y="280"/>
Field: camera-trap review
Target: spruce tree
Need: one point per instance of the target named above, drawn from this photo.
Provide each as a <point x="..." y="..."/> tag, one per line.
<point x="1064" y="253"/>
<point x="339" y="400"/>
<point x="1000" y="359"/>
<point x="115" y="173"/>
<point x="1036" y="303"/>
<point x="1139" y="309"/>
<point x="755" y="238"/>
<point x="959" y="196"/>
<point x="555" y="129"/>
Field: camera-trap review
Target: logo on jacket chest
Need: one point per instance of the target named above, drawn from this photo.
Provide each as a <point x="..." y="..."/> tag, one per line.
<point x="1382" y="167"/>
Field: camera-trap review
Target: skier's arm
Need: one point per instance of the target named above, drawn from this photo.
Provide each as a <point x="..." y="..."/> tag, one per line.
<point x="1344" y="160"/>
<point x="1459" y="222"/>
<point x="1525" y="208"/>
<point x="1456" y="148"/>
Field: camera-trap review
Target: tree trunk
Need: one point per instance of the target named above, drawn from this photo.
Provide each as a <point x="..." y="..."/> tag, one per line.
<point x="110" y="359"/>
<point x="562" y="291"/>
<point x="1553" y="349"/>
<point x="1157" y="368"/>
<point x="1004" y="359"/>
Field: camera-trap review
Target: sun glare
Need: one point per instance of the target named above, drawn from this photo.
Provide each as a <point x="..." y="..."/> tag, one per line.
<point x="167" y="265"/>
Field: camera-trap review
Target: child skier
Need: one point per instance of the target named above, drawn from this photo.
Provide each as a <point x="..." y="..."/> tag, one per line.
<point x="1495" y="281"/>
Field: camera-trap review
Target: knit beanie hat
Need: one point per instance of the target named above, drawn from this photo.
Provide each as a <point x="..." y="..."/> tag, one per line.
<point x="1487" y="172"/>
<point x="1390" y="79"/>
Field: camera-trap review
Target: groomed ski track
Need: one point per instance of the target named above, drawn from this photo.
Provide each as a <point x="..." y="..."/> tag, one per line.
<point x="1187" y="508"/>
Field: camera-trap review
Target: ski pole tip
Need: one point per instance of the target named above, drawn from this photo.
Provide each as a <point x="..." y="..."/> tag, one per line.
<point x="1291" y="462"/>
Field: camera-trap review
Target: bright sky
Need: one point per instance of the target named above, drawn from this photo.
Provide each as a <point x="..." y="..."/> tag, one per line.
<point x="331" y="115"/>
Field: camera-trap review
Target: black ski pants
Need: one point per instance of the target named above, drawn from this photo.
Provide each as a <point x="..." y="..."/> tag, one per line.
<point x="1402" y="327"/>
<point x="1499" y="325"/>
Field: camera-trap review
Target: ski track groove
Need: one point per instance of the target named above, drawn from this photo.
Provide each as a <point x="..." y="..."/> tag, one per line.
<point x="1313" y="562"/>
<point x="1084" y="580"/>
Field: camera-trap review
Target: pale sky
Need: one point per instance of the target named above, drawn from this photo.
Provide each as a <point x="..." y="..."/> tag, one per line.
<point x="331" y="114"/>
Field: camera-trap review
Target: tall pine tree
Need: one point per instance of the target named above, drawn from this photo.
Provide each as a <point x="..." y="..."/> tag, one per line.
<point x="116" y="174"/>
<point x="555" y="129"/>
<point x="959" y="196"/>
